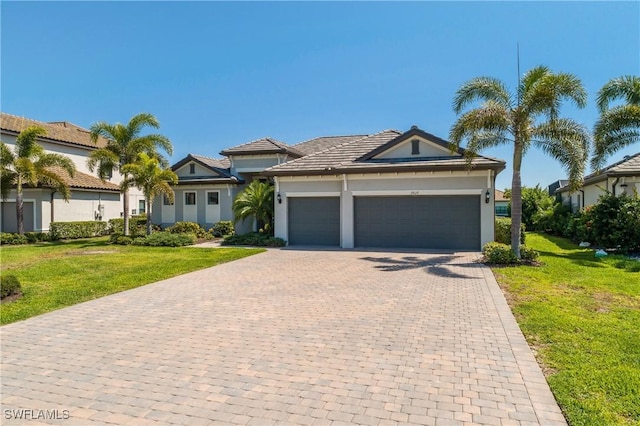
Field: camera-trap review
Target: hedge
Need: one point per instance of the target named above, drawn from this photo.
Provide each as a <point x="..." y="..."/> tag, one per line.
<point x="74" y="230"/>
<point x="137" y="226"/>
<point x="253" y="239"/>
<point x="503" y="231"/>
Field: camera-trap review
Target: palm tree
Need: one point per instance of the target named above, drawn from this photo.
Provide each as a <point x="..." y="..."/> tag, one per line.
<point x="256" y="201"/>
<point x="153" y="180"/>
<point x="29" y="164"/>
<point x="530" y="116"/>
<point x="124" y="143"/>
<point x="619" y="126"/>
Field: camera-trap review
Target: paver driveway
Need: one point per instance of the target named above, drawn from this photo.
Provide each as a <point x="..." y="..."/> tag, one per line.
<point x="286" y="337"/>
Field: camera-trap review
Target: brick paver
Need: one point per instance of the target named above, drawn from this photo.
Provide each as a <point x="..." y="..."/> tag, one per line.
<point x="285" y="337"/>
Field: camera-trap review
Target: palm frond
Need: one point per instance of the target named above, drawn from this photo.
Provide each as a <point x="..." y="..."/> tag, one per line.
<point x="546" y="94"/>
<point x="26" y="140"/>
<point x="104" y="160"/>
<point x="6" y="156"/>
<point x="49" y="160"/>
<point x="482" y="88"/>
<point x="54" y="180"/>
<point x="492" y="117"/>
<point x="104" y="130"/>
<point x="626" y="87"/>
<point x="566" y="141"/>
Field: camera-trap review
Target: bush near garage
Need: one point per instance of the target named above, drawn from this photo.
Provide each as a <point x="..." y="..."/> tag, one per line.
<point x="503" y="231"/>
<point x="501" y="254"/>
<point x="253" y="239"/>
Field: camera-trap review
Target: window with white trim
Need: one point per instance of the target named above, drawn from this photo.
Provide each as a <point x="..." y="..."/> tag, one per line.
<point x="189" y="198"/>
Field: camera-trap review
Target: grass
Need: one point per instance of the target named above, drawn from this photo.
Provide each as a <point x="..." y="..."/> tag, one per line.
<point x="55" y="275"/>
<point x="581" y="314"/>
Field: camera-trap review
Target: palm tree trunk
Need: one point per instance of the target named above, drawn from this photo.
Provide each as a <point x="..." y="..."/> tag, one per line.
<point x="516" y="200"/>
<point x="125" y="206"/>
<point x="19" y="206"/>
<point x="149" y="229"/>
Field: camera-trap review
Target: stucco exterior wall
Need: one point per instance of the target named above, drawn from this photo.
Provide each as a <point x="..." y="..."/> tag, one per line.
<point x="202" y="213"/>
<point x="418" y="184"/>
<point x="426" y="149"/>
<point x="254" y="163"/>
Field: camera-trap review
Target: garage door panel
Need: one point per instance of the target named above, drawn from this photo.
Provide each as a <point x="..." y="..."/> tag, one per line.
<point x="314" y="221"/>
<point x="438" y="222"/>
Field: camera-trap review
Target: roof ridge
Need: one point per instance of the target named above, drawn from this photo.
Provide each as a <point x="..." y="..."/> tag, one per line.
<point x="327" y="137"/>
<point x="611" y="166"/>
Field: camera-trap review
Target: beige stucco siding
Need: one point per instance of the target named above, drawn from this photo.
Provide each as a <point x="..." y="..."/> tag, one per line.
<point x="426" y="149"/>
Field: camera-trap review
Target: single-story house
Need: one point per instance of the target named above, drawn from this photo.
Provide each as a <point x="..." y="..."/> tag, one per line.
<point x="91" y="198"/>
<point x="390" y="189"/>
<point x="618" y="178"/>
<point x="501" y="204"/>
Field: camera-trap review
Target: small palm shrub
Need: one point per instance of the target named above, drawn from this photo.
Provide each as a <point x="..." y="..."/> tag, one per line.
<point x="188" y="228"/>
<point x="9" y="285"/>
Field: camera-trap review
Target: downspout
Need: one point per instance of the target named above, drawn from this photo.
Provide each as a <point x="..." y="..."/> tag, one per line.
<point x="613" y="186"/>
<point x="582" y="199"/>
<point x="52" y="209"/>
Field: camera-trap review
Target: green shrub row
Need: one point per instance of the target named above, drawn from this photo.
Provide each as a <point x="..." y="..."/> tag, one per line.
<point x="188" y="228"/>
<point x="503" y="231"/>
<point x="137" y="226"/>
<point x="501" y="254"/>
<point x="157" y="239"/>
<point x="12" y="239"/>
<point x="74" y="230"/>
<point x="253" y="239"/>
<point x="9" y="285"/>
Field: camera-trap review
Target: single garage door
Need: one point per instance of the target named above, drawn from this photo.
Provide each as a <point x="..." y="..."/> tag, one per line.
<point x="435" y="222"/>
<point x="314" y="221"/>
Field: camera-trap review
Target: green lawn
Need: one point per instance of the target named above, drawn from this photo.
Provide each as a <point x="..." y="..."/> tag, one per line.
<point x="581" y="314"/>
<point x="61" y="274"/>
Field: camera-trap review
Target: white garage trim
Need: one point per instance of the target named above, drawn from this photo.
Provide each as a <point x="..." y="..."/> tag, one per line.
<point x="418" y="192"/>
<point x="312" y="194"/>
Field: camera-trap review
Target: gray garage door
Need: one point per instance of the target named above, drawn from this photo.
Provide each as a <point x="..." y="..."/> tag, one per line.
<point x="437" y="222"/>
<point x="314" y="221"/>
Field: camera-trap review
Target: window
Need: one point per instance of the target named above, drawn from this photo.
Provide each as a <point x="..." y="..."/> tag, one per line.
<point x="192" y="169"/>
<point x="501" y="211"/>
<point x="415" y="147"/>
<point x="166" y="201"/>
<point x="212" y="198"/>
<point x="190" y="198"/>
<point x="141" y="206"/>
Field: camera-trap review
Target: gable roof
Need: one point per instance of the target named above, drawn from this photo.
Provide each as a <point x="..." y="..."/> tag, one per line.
<point x="82" y="181"/>
<point x="412" y="133"/>
<point x="628" y="166"/>
<point x="218" y="166"/>
<point x="262" y="146"/>
<point x="354" y="156"/>
<point x="57" y="131"/>
<point x="323" y="143"/>
<point x="499" y="195"/>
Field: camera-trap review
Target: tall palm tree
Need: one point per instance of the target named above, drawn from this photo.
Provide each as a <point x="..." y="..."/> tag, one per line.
<point x="124" y="143"/>
<point x="152" y="179"/>
<point x="530" y="116"/>
<point x="618" y="126"/>
<point x="29" y="164"/>
<point x="256" y="201"/>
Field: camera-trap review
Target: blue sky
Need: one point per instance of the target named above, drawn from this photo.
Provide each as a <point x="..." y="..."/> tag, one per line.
<point x="220" y="74"/>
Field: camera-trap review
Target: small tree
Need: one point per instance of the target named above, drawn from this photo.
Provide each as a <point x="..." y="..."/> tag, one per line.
<point x="534" y="201"/>
<point x="256" y="201"/>
<point x="29" y="164"/>
<point x="124" y="143"/>
<point x="153" y="180"/>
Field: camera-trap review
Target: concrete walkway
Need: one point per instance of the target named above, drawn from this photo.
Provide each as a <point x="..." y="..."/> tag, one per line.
<point x="284" y="337"/>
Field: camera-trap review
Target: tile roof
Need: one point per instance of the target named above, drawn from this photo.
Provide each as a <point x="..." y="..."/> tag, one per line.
<point x="323" y="143"/>
<point x="85" y="181"/>
<point x="628" y="166"/>
<point x="499" y="195"/>
<point x="345" y="158"/>
<point x="218" y="166"/>
<point x="57" y="131"/>
<point x="262" y="146"/>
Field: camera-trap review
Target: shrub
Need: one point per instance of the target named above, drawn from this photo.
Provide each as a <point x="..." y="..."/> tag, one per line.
<point x="137" y="226"/>
<point x="222" y="229"/>
<point x="188" y="228"/>
<point x="614" y="222"/>
<point x="74" y="230"/>
<point x="13" y="239"/>
<point x="254" y="239"/>
<point x="498" y="253"/>
<point x="528" y="254"/>
<point x="36" y="237"/>
<point x="555" y="219"/>
<point x="166" y="239"/>
<point x="9" y="285"/>
<point x="120" y="239"/>
<point x="503" y="231"/>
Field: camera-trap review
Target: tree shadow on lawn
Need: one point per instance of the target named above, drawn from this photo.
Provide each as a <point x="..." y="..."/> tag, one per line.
<point x="433" y="266"/>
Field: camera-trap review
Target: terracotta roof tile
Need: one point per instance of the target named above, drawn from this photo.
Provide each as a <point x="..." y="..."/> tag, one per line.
<point x="325" y="142"/>
<point x="60" y="131"/>
<point x="84" y="181"/>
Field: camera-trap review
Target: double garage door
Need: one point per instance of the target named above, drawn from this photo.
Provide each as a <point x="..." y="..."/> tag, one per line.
<point x="436" y="222"/>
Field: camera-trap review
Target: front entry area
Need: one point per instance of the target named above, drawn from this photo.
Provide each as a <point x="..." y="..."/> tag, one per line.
<point x="314" y="221"/>
<point x="430" y="222"/>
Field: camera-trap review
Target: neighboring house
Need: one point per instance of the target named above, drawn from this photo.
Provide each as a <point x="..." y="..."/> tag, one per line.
<point x="501" y="204"/>
<point x="622" y="177"/>
<point x="91" y="198"/>
<point x="390" y="189"/>
<point x="555" y="186"/>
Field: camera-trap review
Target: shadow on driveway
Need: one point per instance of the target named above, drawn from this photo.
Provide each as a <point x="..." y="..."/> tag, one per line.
<point x="435" y="265"/>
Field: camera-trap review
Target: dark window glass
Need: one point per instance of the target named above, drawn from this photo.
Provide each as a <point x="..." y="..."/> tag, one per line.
<point x="415" y="147"/>
<point x="192" y="169"/>
<point x="212" y="198"/>
<point x="190" y="198"/>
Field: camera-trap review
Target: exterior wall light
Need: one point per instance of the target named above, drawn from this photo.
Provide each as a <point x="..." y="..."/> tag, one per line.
<point x="487" y="196"/>
<point x="279" y="198"/>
